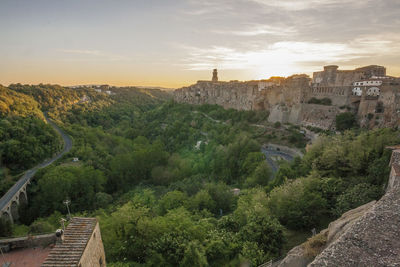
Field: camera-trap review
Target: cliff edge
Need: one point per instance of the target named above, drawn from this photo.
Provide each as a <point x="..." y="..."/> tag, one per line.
<point x="366" y="236"/>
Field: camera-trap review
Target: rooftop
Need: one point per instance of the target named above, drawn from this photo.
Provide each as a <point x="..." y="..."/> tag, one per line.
<point x="76" y="236"/>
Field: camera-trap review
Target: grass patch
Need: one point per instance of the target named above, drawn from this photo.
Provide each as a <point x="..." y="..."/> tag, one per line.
<point x="315" y="244"/>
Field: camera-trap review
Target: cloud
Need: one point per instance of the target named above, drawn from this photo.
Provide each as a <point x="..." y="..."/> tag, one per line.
<point x="260" y="29"/>
<point x="286" y="57"/>
<point x="207" y="7"/>
<point x="294" y="5"/>
<point x="287" y="36"/>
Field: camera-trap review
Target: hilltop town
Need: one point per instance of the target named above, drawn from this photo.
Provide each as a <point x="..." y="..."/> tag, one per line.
<point x="367" y="92"/>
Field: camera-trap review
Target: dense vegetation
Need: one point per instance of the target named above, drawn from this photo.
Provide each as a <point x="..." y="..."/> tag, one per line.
<point x="162" y="178"/>
<point x="56" y="98"/>
<point x="320" y="101"/>
<point x="345" y="121"/>
<point x="18" y="104"/>
<point x="25" y="138"/>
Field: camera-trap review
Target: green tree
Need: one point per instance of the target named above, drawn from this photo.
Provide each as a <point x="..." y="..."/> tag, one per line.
<point x="202" y="201"/>
<point x="356" y="196"/>
<point x="172" y="200"/>
<point x="194" y="255"/>
<point x="5" y="228"/>
<point x="79" y="184"/>
<point x="298" y="204"/>
<point x="264" y="230"/>
<point x="260" y="176"/>
<point x="345" y="121"/>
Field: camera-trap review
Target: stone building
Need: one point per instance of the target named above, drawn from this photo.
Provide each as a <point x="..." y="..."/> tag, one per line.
<point x="80" y="245"/>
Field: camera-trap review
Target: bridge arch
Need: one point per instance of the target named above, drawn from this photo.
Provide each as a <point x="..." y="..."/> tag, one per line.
<point x="22" y="198"/>
<point x="14" y="210"/>
<point x="6" y="216"/>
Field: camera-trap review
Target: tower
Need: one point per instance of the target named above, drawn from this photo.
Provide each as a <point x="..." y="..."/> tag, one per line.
<point x="215" y="76"/>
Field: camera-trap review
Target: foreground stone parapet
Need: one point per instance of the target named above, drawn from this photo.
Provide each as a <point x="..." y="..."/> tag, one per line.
<point x="365" y="236"/>
<point x="373" y="240"/>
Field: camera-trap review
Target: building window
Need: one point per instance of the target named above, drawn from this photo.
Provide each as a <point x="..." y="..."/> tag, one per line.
<point x="101" y="261"/>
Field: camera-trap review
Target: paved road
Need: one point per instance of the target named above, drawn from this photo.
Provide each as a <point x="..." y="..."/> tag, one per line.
<point x="30" y="173"/>
<point x="269" y="153"/>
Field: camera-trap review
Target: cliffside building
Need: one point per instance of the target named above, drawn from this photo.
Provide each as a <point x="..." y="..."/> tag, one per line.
<point x="367" y="92"/>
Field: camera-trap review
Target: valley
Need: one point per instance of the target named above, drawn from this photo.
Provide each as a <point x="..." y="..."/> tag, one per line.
<point x="177" y="183"/>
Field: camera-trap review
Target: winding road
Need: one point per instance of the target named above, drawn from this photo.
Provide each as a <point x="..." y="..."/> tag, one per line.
<point x="269" y="153"/>
<point x="31" y="172"/>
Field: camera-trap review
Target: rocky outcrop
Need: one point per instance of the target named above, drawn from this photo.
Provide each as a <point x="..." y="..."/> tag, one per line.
<point x="338" y="227"/>
<point x="372" y="240"/>
<point x="296" y="257"/>
<point x="366" y="236"/>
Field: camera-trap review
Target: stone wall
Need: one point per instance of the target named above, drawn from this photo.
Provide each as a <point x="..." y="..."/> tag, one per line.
<point x="394" y="178"/>
<point x="237" y="95"/>
<point x="93" y="254"/>
<point x="339" y="95"/>
<point x="382" y="111"/>
<point x="319" y="116"/>
<point x="28" y="241"/>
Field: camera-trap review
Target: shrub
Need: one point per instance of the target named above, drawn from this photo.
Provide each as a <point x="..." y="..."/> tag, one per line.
<point x="298" y="204"/>
<point x="40" y="227"/>
<point x="324" y="101"/>
<point x="357" y="196"/>
<point x="5" y="228"/>
<point x="345" y="121"/>
<point x="315" y="245"/>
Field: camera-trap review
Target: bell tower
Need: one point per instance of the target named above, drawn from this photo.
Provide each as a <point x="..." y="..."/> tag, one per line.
<point x="215" y="76"/>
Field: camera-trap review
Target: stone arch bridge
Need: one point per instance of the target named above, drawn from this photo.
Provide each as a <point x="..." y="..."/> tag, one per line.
<point x="17" y="195"/>
<point x="14" y="197"/>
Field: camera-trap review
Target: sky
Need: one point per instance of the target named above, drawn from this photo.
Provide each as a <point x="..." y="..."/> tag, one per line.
<point x="174" y="43"/>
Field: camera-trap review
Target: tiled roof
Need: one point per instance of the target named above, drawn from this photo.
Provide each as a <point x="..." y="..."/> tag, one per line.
<point x="76" y="237"/>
